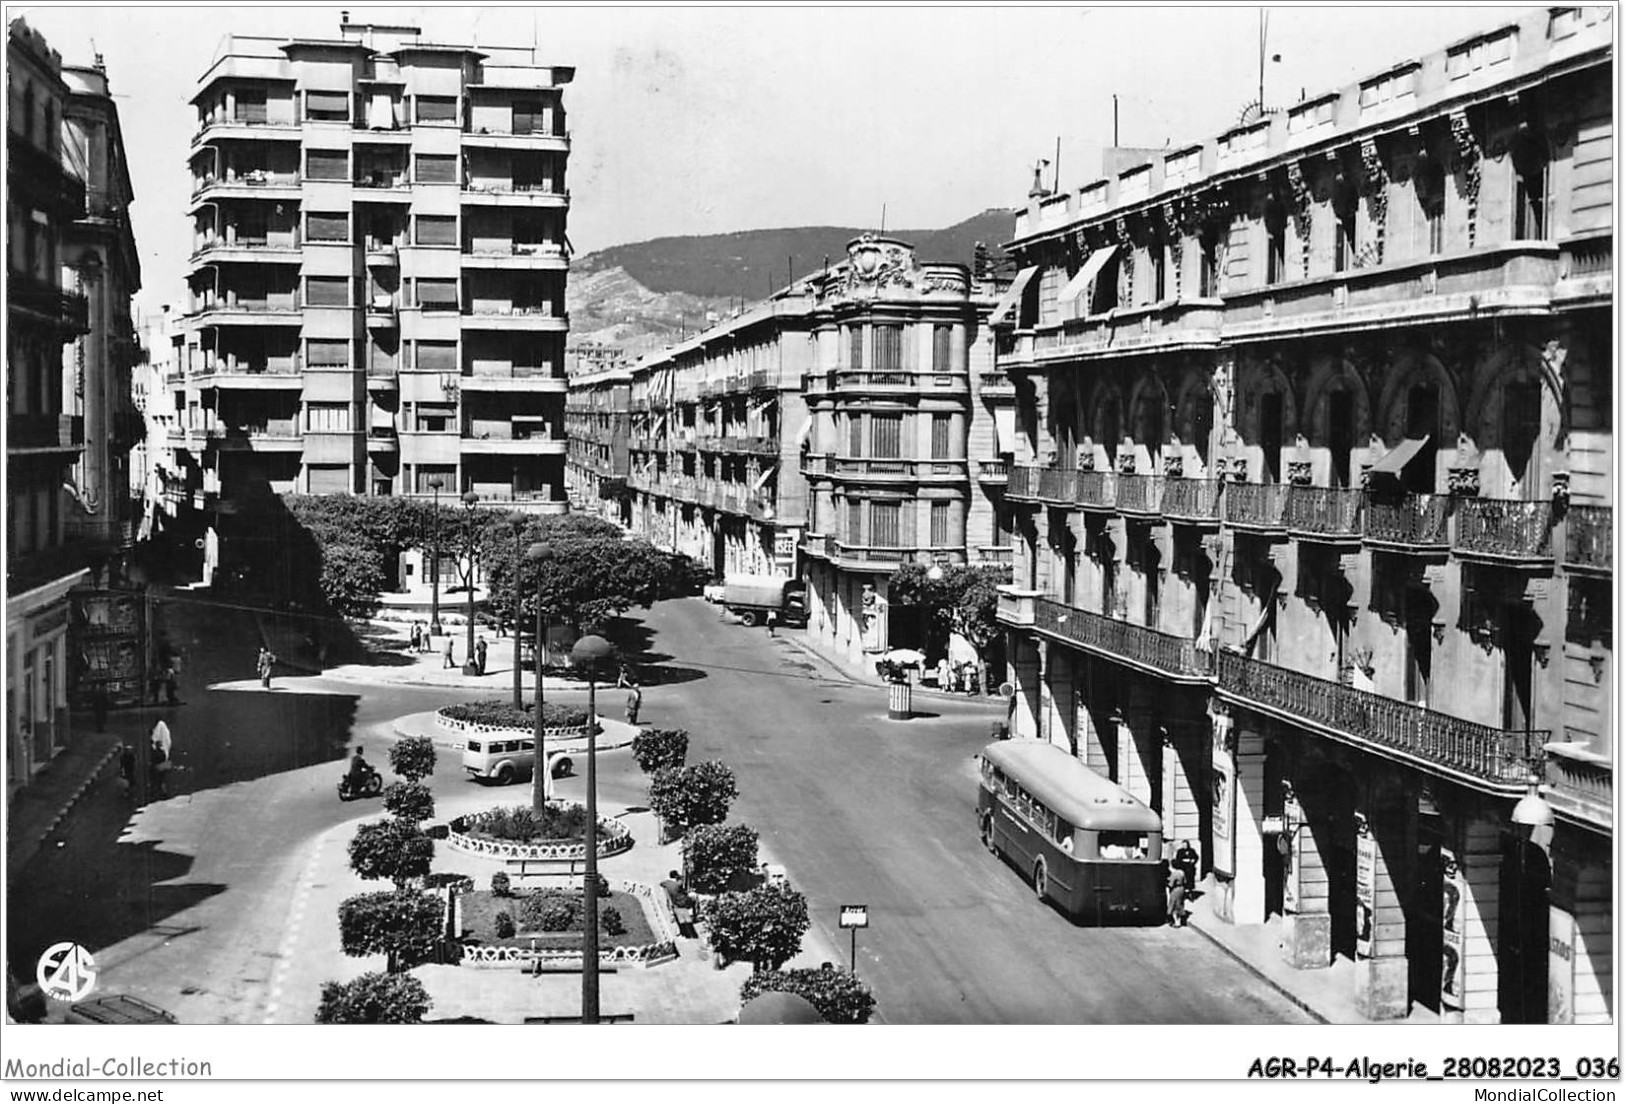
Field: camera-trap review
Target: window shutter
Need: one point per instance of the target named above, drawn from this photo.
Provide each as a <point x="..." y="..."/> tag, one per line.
<point x="327" y="354"/>
<point x="857" y="346"/>
<point x="327" y="164"/>
<point x="328" y="478"/>
<point x="434" y="169"/>
<point x="942" y="349"/>
<point x="437" y="109"/>
<point x="327" y="291"/>
<point x="327" y="105"/>
<point x="328" y="227"/>
<point x="437" y="294"/>
<point x="437" y="356"/>
<point x="436" y="230"/>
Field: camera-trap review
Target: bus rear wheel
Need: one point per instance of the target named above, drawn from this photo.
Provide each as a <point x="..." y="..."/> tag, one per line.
<point x="1040" y="880"/>
<point x="504" y="774"/>
<point x="987" y="834"/>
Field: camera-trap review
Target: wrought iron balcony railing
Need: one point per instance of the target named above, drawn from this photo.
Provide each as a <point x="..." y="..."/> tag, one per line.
<point x="1255" y="505"/>
<point x="1503" y="529"/>
<point x="1175" y="656"/>
<point x="1097" y="490"/>
<point x="1140" y="494"/>
<point x="1409" y="523"/>
<point x="1495" y="756"/>
<point x="1327" y="512"/>
<point x="1023" y="482"/>
<point x="1057" y="485"/>
<point x="1589" y="543"/>
<point x="1191" y="499"/>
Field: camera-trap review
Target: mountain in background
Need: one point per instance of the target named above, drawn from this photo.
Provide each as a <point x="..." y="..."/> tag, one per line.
<point x="643" y="296"/>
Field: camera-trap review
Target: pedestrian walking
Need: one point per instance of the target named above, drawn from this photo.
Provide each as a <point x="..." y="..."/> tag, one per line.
<point x="424" y="644"/>
<point x="160" y="736"/>
<point x="451" y="660"/>
<point x="158" y="770"/>
<point x="264" y="664"/>
<point x="479" y="655"/>
<point x="171" y="679"/>
<point x="772" y="623"/>
<point x="634" y="702"/>
<point x="126" y="767"/>
<point x="1186" y="860"/>
<point x="1177" y="916"/>
<point x="417" y="637"/>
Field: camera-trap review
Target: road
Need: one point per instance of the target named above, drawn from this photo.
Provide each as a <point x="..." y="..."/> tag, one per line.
<point x="863" y="810"/>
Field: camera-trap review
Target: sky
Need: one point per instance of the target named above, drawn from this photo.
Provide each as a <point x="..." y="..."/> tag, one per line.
<point x="699" y="120"/>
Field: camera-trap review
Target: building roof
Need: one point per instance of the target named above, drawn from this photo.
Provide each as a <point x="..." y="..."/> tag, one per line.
<point x="1069" y="789"/>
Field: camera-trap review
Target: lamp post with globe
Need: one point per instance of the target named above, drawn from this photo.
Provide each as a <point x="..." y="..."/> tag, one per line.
<point x="540" y="774"/>
<point x="470" y="664"/>
<point x="589" y="653"/>
<point x="434" y="563"/>
<point x="518" y="520"/>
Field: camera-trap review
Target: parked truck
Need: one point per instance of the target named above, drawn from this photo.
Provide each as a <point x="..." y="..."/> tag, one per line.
<point x="752" y="597"/>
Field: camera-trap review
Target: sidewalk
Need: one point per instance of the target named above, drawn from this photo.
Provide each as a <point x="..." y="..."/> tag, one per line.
<point x="1327" y="994"/>
<point x="36" y="809"/>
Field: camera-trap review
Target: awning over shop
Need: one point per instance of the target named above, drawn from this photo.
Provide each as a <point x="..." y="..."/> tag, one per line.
<point x="1087" y="274"/>
<point x="1012" y="295"/>
<point x="1399" y="456"/>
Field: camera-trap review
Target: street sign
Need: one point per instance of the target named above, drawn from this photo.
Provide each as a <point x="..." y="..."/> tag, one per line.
<point x="854" y="916"/>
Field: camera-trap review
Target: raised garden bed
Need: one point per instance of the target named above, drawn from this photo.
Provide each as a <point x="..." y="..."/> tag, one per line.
<point x="640" y="944"/>
<point x="499" y="833"/>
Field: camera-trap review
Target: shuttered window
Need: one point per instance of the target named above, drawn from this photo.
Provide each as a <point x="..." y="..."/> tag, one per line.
<point x="327" y="106"/>
<point x="437" y="356"/>
<point x="327" y="478"/>
<point x="854" y="424"/>
<point x="885" y="524"/>
<point x="436" y="169"/>
<point x="939" y="525"/>
<point x="437" y="294"/>
<point x="437" y="109"/>
<point x="888" y="348"/>
<point x="321" y="227"/>
<point x="856" y="337"/>
<point x="429" y="474"/>
<point x="327" y="354"/>
<point x="436" y="230"/>
<point x="940" y="424"/>
<point x="327" y="291"/>
<point x="886" y="436"/>
<point x="327" y="417"/>
<point x="529" y="118"/>
<point x="434" y="418"/>
<point x="327" y="165"/>
<point x="942" y="349"/>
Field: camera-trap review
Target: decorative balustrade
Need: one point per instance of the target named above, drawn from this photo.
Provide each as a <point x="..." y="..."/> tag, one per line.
<point x="1414" y="522"/>
<point x="993" y="471"/>
<point x="1058" y="485"/>
<point x="1096" y="490"/>
<point x="1324" y="512"/>
<point x="1140" y="494"/>
<point x="1191" y="499"/>
<point x="1023" y="482"/>
<point x="1492" y="755"/>
<point x="1503" y="529"/>
<point x="1580" y="783"/>
<point x="1255" y="505"/>
<point x="1589" y="541"/>
<point x="1175" y="656"/>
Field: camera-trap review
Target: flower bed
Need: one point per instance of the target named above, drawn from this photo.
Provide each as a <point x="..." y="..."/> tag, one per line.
<point x="640" y="944"/>
<point x="466" y="834"/>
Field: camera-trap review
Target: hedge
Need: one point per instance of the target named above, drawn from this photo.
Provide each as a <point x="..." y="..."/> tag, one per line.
<point x="502" y="714"/>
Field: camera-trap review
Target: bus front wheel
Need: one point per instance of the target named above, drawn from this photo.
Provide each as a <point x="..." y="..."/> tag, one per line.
<point x="987" y="834"/>
<point x="1040" y="880"/>
<point x="504" y="774"/>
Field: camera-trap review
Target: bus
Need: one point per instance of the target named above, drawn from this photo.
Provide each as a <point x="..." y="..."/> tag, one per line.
<point x="506" y="760"/>
<point x="1090" y="847"/>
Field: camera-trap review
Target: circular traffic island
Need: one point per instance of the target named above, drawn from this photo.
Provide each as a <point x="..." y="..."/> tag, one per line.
<point x="520" y="834"/>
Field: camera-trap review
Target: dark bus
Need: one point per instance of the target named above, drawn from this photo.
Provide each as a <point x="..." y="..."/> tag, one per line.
<point x="1088" y="845"/>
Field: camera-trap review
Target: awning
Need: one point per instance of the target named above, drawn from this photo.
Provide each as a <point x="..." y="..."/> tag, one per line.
<point x="1087" y="274"/>
<point x="1399" y="456"/>
<point x="1012" y="295"/>
<point x="1004" y="428"/>
<point x="762" y="479"/>
<point x="801" y="437"/>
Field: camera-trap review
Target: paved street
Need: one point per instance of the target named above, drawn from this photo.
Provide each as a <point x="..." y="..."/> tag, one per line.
<point x="863" y="810"/>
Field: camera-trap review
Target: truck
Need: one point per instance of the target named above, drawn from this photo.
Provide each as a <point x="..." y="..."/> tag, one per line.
<point x="752" y="597"/>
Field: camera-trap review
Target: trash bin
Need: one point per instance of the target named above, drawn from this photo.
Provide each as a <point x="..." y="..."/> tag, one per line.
<point x="900" y="701"/>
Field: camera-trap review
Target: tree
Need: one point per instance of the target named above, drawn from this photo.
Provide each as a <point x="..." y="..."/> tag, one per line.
<point x="683" y="797"/>
<point x="409" y="801"/>
<point x="658" y="748"/>
<point x="763" y="926"/>
<point x="839" y="996"/>
<point x="393" y="848"/>
<point x="374" y="998"/>
<point x="412" y="758"/>
<point x="405" y="924"/>
<point x="715" y="855"/>
<point x="353" y="577"/>
<point x="583" y="581"/>
<point x="965" y="601"/>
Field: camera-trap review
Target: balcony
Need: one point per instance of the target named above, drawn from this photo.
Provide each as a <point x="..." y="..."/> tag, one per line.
<point x="248" y="250"/>
<point x="68" y="310"/>
<point x="501" y="376"/>
<point x="865" y="554"/>
<point x="1419" y="524"/>
<point x="1140" y="496"/>
<point x="1580" y="784"/>
<point x="44" y="433"/>
<point x="1096" y="490"/>
<point x="1175" y="657"/>
<point x="1588" y="545"/>
<point x="993" y="472"/>
<point x="815" y="544"/>
<point x="251" y="184"/>
<point x="1058" y="486"/>
<point x="1495" y="759"/>
<point x="1195" y="501"/>
<point x="42" y="178"/>
<point x="1327" y="514"/>
<point x="494" y="316"/>
<point x="890" y="383"/>
<point x="252" y="377"/>
<point x="508" y="193"/>
<point x="247" y="312"/>
<point x="996" y="385"/>
<point x="1503" y="530"/>
<point x="1256" y="506"/>
<point x="1023" y="483"/>
<point x="868" y="468"/>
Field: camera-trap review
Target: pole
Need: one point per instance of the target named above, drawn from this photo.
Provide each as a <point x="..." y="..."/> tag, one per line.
<point x="539" y="772"/>
<point x="1114" y="118"/>
<point x="589" y="930"/>
<point x="518" y="688"/>
<point x="854" y="952"/>
<point x="434" y="566"/>
<point x="470" y="666"/>
<point x="1057" y="188"/>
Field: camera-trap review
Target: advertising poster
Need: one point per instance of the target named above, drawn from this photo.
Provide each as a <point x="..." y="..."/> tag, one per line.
<point x="1365" y="886"/>
<point x="1224" y="813"/>
<point x="1454" y="970"/>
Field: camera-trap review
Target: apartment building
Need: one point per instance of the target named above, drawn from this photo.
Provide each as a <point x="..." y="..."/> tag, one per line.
<point x="903" y="457"/>
<point x="377" y="286"/>
<point x="1314" y="473"/>
<point x="597" y="420"/>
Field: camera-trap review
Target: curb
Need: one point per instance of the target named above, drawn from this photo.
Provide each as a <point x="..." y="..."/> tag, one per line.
<point x="1291" y="997"/>
<point x="91" y="779"/>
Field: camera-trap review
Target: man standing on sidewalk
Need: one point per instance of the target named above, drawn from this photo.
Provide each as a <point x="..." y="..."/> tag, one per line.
<point x="451" y="660"/>
<point x="634" y="702"/>
<point x="264" y="664"/>
<point x="479" y="655"/>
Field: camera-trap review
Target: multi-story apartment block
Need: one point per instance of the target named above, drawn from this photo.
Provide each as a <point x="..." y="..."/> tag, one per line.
<point x="713" y="470"/>
<point x="98" y="250"/>
<point x="1314" y="470"/>
<point x="902" y="461"/>
<point x="597" y="417"/>
<point x="377" y="287"/>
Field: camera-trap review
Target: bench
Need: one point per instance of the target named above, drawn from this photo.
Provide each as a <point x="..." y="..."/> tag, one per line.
<point x="571" y="868"/>
<point x="539" y="967"/>
<point x="603" y="1018"/>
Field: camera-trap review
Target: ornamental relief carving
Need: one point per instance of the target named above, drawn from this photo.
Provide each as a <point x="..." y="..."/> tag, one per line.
<point x="876" y="263"/>
<point x="1463" y="482"/>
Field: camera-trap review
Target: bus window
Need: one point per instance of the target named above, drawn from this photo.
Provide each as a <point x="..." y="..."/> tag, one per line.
<point x="1061" y="832"/>
<point x="1124" y="845"/>
<point x="474" y="745"/>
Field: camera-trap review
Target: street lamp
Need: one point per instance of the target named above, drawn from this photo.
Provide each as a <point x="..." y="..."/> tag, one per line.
<point x="470" y="666"/>
<point x="518" y="521"/>
<point x="434" y="564"/>
<point x="540" y="774"/>
<point x="589" y="652"/>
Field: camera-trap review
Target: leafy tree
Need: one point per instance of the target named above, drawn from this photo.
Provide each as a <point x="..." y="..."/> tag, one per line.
<point x="684" y="797"/>
<point x="353" y="577"/>
<point x="374" y="999"/>
<point x="715" y="855"/>
<point x="584" y="581"/>
<point x="405" y="924"/>
<point x="763" y="926"/>
<point x="839" y="996"/>
<point x="657" y="748"/>
<point x="393" y="848"/>
<point x="500" y="885"/>
<point x="412" y="758"/>
<point x="409" y="801"/>
<point x="965" y="600"/>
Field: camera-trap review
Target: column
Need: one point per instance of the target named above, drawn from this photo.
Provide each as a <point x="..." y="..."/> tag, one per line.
<point x="1306" y="927"/>
<point x="1472" y="914"/>
<point x="1382" y="968"/>
<point x="1581" y="956"/>
<point x="1241" y="900"/>
<point x="1060" y="710"/>
<point x="1139" y="745"/>
<point x="1027" y="668"/>
<point x="1183" y="743"/>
